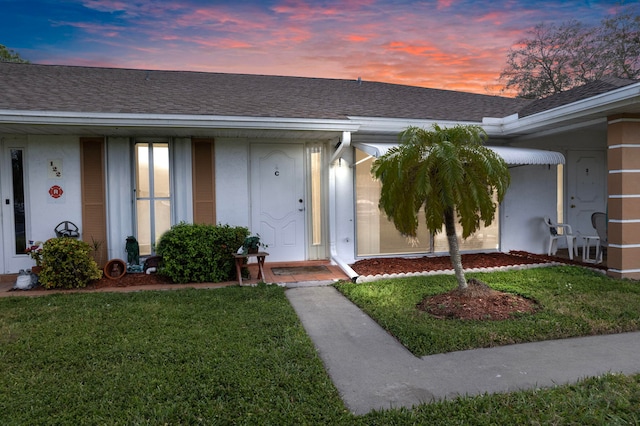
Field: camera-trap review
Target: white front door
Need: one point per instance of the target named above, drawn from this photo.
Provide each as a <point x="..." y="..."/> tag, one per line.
<point x="586" y="189"/>
<point x="278" y="199"/>
<point x="15" y="208"/>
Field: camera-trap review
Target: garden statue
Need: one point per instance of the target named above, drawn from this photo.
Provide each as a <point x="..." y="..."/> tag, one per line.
<point x="133" y="251"/>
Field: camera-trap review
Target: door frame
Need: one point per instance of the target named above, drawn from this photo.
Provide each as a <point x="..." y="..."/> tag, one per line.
<point x="301" y="234"/>
<point x="12" y="262"/>
<point x="600" y="200"/>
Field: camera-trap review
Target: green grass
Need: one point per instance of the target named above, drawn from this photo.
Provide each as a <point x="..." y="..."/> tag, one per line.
<point x="235" y="355"/>
<point x="574" y="301"/>
<point x="226" y="356"/>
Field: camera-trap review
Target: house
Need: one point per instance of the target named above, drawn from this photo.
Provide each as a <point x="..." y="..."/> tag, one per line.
<point x="122" y="152"/>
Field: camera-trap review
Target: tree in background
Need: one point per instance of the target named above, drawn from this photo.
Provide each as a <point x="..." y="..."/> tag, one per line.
<point x="448" y="172"/>
<point x="557" y="58"/>
<point x="9" y="55"/>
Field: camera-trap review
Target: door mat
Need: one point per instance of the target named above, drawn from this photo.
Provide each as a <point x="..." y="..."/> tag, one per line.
<point x="300" y="270"/>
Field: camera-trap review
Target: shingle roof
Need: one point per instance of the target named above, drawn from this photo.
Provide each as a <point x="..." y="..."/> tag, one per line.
<point x="576" y="94"/>
<point x="112" y="90"/>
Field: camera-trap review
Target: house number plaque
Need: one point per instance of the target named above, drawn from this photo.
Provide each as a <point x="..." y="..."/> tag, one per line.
<point x="54" y="169"/>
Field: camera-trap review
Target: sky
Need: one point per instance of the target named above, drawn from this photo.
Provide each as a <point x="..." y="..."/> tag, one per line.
<point x="444" y="44"/>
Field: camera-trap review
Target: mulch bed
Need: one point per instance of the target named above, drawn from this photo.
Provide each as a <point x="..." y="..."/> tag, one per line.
<point x="397" y="265"/>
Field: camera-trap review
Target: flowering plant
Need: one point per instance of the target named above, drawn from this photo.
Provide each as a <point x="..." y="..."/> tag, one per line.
<point x="35" y="251"/>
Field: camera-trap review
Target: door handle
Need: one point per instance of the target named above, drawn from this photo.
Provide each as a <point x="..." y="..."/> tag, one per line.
<point x="573" y="206"/>
<point x="301" y="201"/>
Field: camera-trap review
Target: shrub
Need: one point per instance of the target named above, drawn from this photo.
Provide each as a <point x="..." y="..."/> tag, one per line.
<point x="200" y="253"/>
<point x="67" y="263"/>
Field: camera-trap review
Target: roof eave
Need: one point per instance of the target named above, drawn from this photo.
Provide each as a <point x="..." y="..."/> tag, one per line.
<point x="380" y="125"/>
<point x="583" y="110"/>
<point x="22" y="117"/>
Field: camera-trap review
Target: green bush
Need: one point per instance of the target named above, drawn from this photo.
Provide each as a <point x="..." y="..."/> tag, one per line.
<point x="200" y="253"/>
<point x="67" y="263"/>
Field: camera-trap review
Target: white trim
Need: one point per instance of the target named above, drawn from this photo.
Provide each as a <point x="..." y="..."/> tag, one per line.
<point x="624" y="246"/>
<point x="599" y="104"/>
<point x="624" y="196"/>
<point x="172" y="120"/>
<point x="396" y="125"/>
<point x="345" y="143"/>
<point x="624" y="220"/>
<point x="625" y="271"/>
<point x="612" y="172"/>
<point x="625" y="145"/>
<point x="625" y="120"/>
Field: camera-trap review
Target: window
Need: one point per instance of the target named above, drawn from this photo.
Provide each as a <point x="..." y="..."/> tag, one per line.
<point x="19" y="215"/>
<point x="316" y="195"/>
<point x="376" y="235"/>
<point x="153" y="194"/>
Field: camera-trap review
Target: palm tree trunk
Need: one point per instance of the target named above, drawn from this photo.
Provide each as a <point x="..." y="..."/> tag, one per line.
<point x="454" y="249"/>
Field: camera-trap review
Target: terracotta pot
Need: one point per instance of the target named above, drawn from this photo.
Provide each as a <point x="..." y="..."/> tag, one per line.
<point x="36" y="270"/>
<point x="115" y="269"/>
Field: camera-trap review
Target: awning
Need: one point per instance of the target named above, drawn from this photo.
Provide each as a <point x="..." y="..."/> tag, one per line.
<point x="510" y="154"/>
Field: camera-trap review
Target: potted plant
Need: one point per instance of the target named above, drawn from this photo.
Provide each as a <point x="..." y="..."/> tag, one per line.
<point x="252" y="244"/>
<point x="35" y="251"/>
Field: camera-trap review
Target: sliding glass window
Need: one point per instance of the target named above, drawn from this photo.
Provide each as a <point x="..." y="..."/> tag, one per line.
<point x="376" y="235"/>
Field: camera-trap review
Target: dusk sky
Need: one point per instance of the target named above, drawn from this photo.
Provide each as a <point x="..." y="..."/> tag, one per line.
<point x="445" y="44"/>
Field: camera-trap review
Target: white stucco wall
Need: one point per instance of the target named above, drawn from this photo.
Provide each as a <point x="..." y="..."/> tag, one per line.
<point x="232" y="182"/>
<point x="45" y="212"/>
<point x="531" y="196"/>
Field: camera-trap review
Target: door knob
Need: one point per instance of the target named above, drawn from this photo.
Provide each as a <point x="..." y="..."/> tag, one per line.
<point x="573" y="206"/>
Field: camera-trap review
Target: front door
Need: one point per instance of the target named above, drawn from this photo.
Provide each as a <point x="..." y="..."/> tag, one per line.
<point x="586" y="189"/>
<point x="277" y="199"/>
<point x="15" y="209"/>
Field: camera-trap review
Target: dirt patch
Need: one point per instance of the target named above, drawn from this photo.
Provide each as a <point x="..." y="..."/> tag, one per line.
<point x="477" y="302"/>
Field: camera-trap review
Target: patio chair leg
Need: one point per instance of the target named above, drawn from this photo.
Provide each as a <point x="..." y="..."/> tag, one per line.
<point x="570" y="246"/>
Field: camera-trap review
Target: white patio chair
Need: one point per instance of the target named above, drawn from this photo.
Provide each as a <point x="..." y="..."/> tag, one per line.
<point x="554" y="236"/>
<point x="599" y="222"/>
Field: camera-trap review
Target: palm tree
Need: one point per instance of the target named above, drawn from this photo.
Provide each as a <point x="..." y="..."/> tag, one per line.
<point x="448" y="172"/>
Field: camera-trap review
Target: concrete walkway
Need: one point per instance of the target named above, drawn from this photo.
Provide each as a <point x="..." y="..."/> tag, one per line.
<point x="372" y="370"/>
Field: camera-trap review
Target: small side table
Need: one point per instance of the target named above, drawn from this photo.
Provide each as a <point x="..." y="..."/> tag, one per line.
<point x="586" y="248"/>
<point x="239" y="257"/>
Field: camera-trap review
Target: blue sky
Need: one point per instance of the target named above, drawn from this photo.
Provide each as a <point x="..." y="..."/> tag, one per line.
<point x="448" y="44"/>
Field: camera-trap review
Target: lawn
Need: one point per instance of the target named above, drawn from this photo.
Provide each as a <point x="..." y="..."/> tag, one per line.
<point x="234" y="355"/>
<point x="177" y="357"/>
<point x="574" y="302"/>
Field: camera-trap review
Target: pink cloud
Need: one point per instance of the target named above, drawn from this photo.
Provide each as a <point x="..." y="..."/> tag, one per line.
<point x="444" y="4"/>
<point x="443" y="44"/>
<point x="92" y="28"/>
<point x="355" y="38"/>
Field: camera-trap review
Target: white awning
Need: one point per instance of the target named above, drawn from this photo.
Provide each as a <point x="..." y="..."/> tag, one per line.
<point x="511" y="155"/>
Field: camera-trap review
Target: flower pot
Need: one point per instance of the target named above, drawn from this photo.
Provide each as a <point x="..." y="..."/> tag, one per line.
<point x="36" y="270"/>
<point x="115" y="269"/>
<point x="252" y="250"/>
